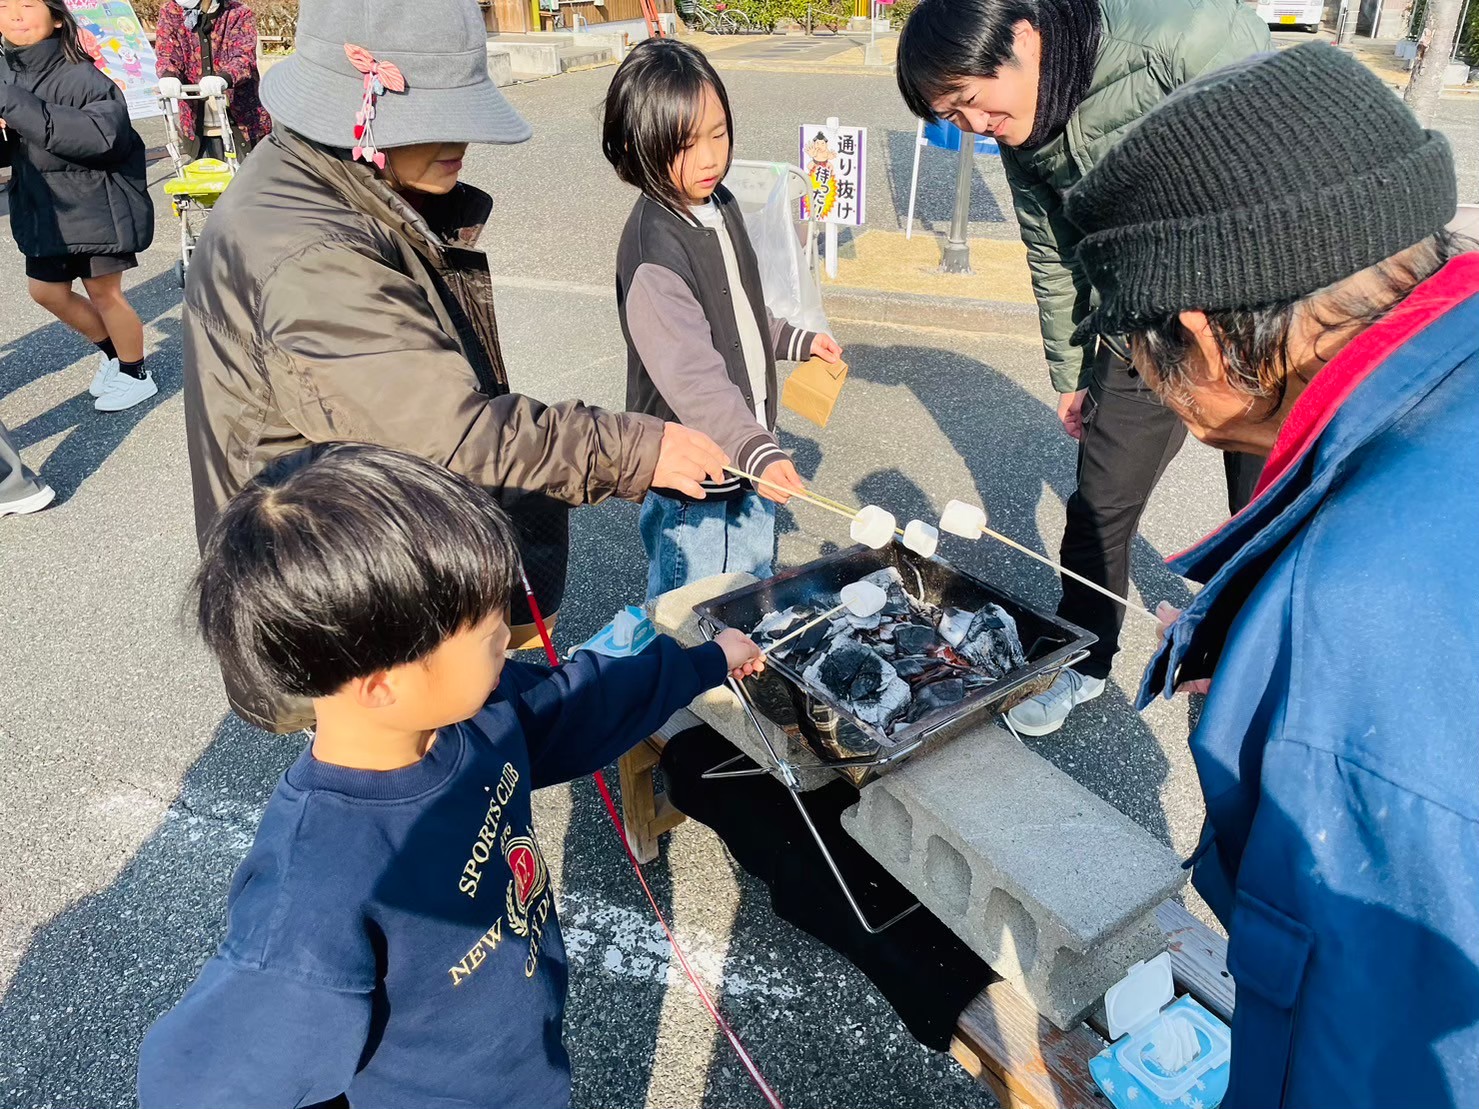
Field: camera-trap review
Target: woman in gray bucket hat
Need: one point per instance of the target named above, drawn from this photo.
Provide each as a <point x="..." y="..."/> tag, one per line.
<point x="336" y="294"/>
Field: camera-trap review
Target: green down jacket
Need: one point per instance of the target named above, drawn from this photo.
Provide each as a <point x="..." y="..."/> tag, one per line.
<point x="1149" y="48"/>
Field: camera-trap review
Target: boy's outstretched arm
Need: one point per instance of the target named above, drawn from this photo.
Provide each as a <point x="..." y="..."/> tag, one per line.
<point x="245" y="1037"/>
<point x="594" y="709"/>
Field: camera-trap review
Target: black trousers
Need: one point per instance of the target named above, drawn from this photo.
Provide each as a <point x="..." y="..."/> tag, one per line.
<point x="1128" y="441"/>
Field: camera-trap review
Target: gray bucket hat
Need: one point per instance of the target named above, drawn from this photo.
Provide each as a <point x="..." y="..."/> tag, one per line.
<point x="440" y="49"/>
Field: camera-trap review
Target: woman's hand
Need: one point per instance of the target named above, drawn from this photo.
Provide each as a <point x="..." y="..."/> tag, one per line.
<point x="686" y="458"/>
<point x="740" y="653"/>
<point x="782" y="473"/>
<point x="1168" y="614"/>
<point x="825" y="347"/>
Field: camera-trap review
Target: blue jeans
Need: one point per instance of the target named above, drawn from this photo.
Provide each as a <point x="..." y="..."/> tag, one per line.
<point x="687" y="541"/>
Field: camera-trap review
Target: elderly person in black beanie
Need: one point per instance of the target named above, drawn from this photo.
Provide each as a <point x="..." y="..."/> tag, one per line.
<point x="1058" y="83"/>
<point x="1339" y="624"/>
<point x="337" y="295"/>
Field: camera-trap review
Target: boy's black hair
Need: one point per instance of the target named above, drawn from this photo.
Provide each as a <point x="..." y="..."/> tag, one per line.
<point x="651" y="112"/>
<point x="343" y="559"/>
<point x="945" y="42"/>
<point x="68" y="32"/>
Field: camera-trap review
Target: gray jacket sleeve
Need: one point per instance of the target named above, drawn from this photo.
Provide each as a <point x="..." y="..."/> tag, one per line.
<point x="671" y="334"/>
<point x="352" y="351"/>
<point x="789" y="342"/>
<point x="1062" y="292"/>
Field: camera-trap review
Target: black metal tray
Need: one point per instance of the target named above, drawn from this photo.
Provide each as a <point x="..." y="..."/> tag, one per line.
<point x="837" y="737"/>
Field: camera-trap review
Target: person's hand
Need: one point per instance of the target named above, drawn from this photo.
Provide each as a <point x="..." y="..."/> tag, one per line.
<point x="1071" y="412"/>
<point x="784" y="474"/>
<point x="740" y="653"/>
<point x="1168" y="614"/>
<point x="686" y="458"/>
<point x="825" y="347"/>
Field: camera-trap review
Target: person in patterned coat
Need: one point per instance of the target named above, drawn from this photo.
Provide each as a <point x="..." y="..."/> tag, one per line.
<point x="200" y="38"/>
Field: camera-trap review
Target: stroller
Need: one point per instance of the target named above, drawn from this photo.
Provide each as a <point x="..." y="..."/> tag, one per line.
<point x="197" y="184"/>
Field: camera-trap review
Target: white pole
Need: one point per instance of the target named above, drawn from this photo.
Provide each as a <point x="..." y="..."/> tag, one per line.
<point x="832" y="124"/>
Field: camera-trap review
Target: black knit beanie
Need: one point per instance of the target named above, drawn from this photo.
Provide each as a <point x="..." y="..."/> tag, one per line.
<point x="1255" y="185"/>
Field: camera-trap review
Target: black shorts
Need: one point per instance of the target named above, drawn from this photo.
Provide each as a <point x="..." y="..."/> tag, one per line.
<point x="64" y="269"/>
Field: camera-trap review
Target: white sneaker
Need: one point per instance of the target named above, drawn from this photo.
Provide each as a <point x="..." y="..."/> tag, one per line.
<point x="106" y="372"/>
<point x="23" y="506"/>
<point x="125" y="391"/>
<point x="1045" y="713"/>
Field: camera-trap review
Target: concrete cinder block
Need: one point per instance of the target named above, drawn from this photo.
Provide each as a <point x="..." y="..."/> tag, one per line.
<point x="1053" y="887"/>
<point x="719" y="708"/>
<point x="500" y="66"/>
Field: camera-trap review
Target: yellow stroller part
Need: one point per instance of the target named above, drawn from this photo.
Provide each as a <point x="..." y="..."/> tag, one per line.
<point x="203" y="179"/>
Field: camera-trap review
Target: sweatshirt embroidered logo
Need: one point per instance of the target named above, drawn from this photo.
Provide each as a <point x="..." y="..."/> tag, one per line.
<point x="530" y="876"/>
<point x="484" y="846"/>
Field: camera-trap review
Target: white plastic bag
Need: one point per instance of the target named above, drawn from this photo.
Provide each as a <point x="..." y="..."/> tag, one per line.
<point x="792" y="291"/>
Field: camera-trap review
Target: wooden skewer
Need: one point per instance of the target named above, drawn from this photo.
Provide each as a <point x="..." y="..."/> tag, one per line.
<point x="804" y="628"/>
<point x="851" y="513"/>
<point x="1113" y="596"/>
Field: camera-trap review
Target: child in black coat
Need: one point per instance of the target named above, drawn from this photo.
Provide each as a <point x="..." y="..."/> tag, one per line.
<point x="79" y="201"/>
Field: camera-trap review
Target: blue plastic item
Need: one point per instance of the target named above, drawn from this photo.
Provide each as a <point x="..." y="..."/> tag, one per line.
<point x="629" y="633"/>
<point x="1165" y="1056"/>
<point x="947" y="136"/>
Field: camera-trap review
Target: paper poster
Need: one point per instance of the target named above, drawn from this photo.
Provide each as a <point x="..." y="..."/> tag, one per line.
<point x="833" y="160"/>
<point x="113" y="35"/>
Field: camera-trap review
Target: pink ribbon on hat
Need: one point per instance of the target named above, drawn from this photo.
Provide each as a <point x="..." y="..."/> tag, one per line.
<point x="380" y="78"/>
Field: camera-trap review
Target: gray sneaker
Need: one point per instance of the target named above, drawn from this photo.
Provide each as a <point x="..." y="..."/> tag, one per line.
<point x="1045" y="713"/>
<point x="31" y="502"/>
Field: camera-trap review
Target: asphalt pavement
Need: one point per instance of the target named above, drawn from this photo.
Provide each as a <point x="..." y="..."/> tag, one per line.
<point x="128" y="794"/>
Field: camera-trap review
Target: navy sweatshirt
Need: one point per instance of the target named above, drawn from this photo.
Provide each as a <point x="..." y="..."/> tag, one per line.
<point x="392" y="934"/>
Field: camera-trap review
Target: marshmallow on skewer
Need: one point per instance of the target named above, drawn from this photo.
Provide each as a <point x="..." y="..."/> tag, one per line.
<point x="921" y="538"/>
<point x="863" y="598"/>
<point x="964" y="520"/>
<point x="873" y="526"/>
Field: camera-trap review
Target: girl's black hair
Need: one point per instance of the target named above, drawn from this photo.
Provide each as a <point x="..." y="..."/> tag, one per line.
<point x="68" y="32"/>
<point x="652" y="111"/>
<point x="343" y="559"/>
<point x="945" y="42"/>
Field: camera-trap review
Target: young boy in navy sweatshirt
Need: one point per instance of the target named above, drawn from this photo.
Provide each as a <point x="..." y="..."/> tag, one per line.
<point x="392" y="937"/>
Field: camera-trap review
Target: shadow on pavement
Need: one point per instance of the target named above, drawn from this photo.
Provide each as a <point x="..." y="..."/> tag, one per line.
<point x="91" y="436"/>
<point x="96" y="976"/>
<point x="934" y="202"/>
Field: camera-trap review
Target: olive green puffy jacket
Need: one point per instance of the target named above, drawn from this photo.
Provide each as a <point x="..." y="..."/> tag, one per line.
<point x="1149" y="48"/>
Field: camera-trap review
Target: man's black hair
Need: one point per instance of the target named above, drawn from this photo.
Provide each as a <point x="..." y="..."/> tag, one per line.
<point x="343" y="559"/>
<point x="651" y="112"/>
<point x="945" y="42"/>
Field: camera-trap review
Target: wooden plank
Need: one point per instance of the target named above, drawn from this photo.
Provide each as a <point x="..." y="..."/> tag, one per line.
<point x="1027" y="1063"/>
<point x="638" y="805"/>
<point x="1198" y="959"/>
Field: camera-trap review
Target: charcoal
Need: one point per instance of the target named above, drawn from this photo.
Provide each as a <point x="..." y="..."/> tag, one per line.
<point x="773" y="625"/>
<point x="861" y="681"/>
<point x="992" y="644"/>
<point x="913" y="667"/>
<point x="954" y="625"/>
<point x="937" y="695"/>
<point x="914" y="639"/>
<point x="851" y="672"/>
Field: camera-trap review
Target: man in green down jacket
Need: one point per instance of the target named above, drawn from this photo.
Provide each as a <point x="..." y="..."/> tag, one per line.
<point x="1057" y="83"/>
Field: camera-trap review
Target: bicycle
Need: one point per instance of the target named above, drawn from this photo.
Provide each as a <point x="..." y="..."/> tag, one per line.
<point x="716" y="20"/>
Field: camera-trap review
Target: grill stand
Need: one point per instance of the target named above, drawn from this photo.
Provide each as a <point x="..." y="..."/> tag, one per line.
<point x="787" y="775"/>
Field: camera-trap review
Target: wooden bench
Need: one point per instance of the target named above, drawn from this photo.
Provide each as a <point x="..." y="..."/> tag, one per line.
<point x="1024" y="1060"/>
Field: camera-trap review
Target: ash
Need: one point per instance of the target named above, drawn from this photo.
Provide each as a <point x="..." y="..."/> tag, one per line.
<point x="898" y="666"/>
